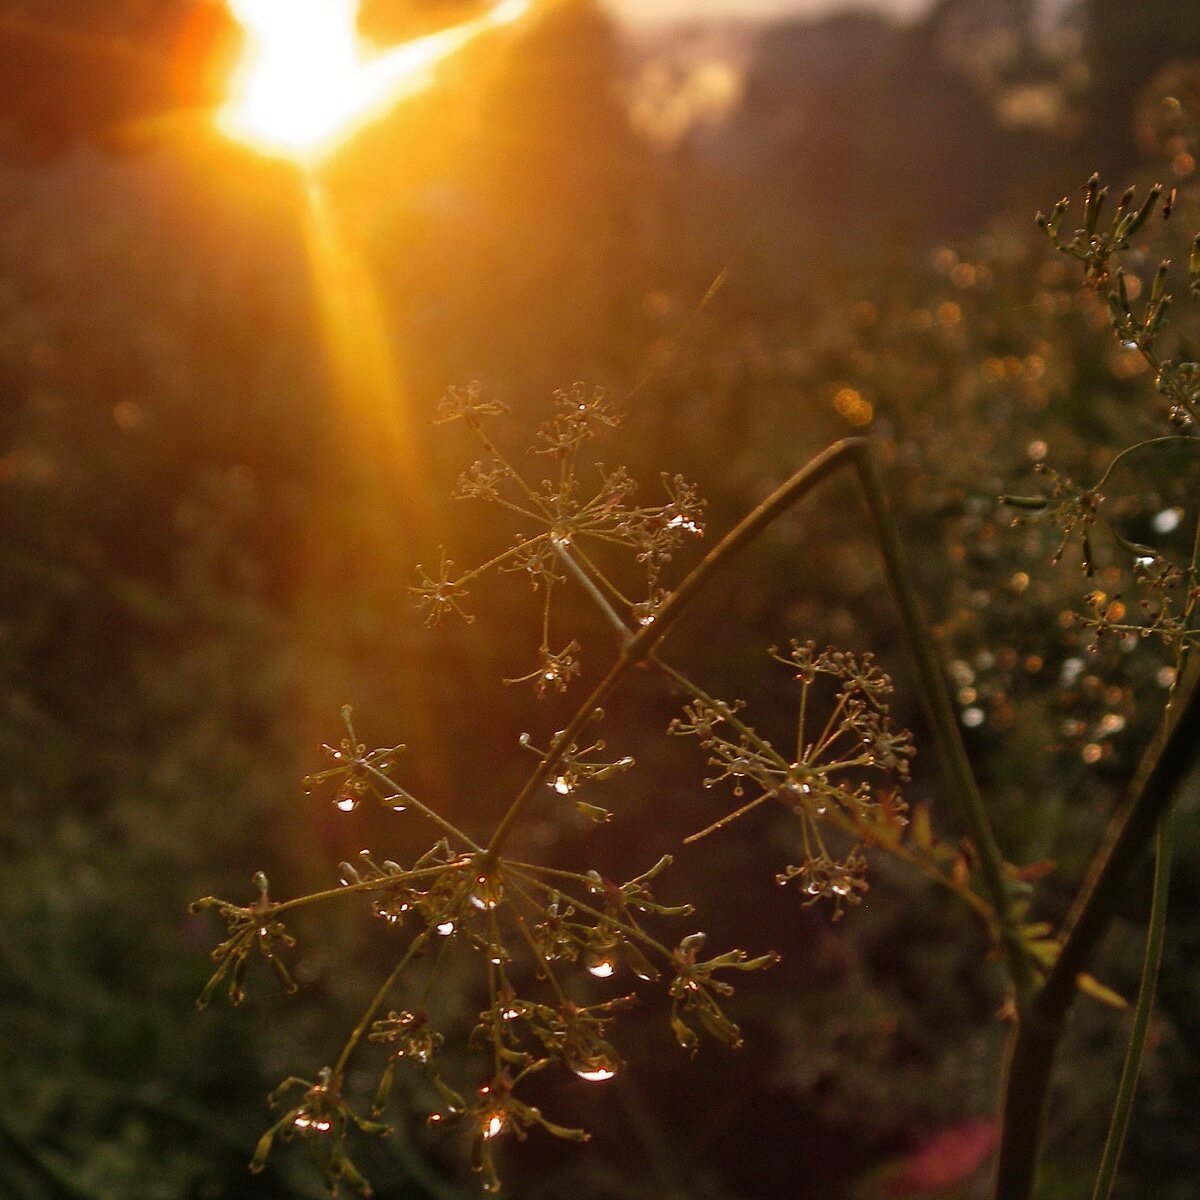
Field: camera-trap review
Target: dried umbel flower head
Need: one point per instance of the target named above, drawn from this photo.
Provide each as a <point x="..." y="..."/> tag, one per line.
<point x="842" y="779"/>
<point x="569" y="523"/>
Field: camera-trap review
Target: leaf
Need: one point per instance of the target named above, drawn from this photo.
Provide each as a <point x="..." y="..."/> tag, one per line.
<point x="960" y="872"/>
<point x="1094" y="988"/>
<point x="638" y="963"/>
<point x="593" y="812"/>
<point x="922" y="829"/>
<point x="685" y="1035"/>
<point x="1045" y="950"/>
<point x="259" y="1161"/>
<point x="719" y="1026"/>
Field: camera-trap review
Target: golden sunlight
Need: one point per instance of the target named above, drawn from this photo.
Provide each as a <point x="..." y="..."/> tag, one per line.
<point x="307" y="81"/>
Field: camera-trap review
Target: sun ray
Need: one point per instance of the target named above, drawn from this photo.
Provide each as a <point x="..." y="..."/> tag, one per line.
<point x="307" y="82"/>
<point x="305" y="86"/>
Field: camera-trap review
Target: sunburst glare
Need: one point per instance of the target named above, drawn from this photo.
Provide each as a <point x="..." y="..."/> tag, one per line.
<point x="307" y="81"/>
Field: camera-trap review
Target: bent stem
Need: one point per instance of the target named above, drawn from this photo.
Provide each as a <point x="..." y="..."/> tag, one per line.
<point x="1040" y="1021"/>
<point x="637" y="648"/>
<point x="859" y="454"/>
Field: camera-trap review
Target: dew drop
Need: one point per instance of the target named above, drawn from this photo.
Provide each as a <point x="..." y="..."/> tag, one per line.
<point x="346" y="802"/>
<point x="594" y="1072"/>
<point x="493" y="1124"/>
<point x="602" y="966"/>
<point x="445" y="928"/>
<point x="487" y="893"/>
<point x="396" y="803"/>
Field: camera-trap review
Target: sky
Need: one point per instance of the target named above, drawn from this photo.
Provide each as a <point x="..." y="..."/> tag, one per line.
<point x="654" y="11"/>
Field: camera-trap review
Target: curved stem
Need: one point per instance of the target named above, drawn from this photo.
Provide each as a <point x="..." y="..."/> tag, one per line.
<point x="1173" y="439"/>
<point x="637" y="649"/>
<point x="858" y="453"/>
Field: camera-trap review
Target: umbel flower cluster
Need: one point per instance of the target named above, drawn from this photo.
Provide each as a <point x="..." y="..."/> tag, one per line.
<point x="549" y="945"/>
<point x="826" y="780"/>
<point x="1167" y="591"/>
<point x="564" y="520"/>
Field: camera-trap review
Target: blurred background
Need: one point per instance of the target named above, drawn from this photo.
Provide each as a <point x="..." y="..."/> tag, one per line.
<point x="763" y="228"/>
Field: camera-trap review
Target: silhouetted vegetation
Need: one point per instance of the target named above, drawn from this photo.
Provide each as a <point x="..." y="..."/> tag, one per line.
<point x="207" y="552"/>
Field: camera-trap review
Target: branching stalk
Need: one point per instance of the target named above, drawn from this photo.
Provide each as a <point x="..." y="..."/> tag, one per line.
<point x="858" y="453"/>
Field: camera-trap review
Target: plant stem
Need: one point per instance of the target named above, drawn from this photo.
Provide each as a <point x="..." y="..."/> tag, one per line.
<point x="964" y="790"/>
<point x="425" y="811"/>
<point x="1040" y="1022"/>
<point x="860" y="454"/>
<point x="561" y="548"/>
<point x="637" y="649"/>
<point x="379" y="997"/>
<point x="1142" y="1012"/>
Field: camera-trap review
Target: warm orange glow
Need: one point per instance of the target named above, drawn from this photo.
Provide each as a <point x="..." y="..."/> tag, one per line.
<point x="307" y="82"/>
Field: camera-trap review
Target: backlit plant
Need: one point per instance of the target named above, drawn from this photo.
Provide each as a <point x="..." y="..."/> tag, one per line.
<point x="541" y="939"/>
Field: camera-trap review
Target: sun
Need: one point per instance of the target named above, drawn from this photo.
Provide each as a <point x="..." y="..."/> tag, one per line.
<point x="307" y="81"/>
